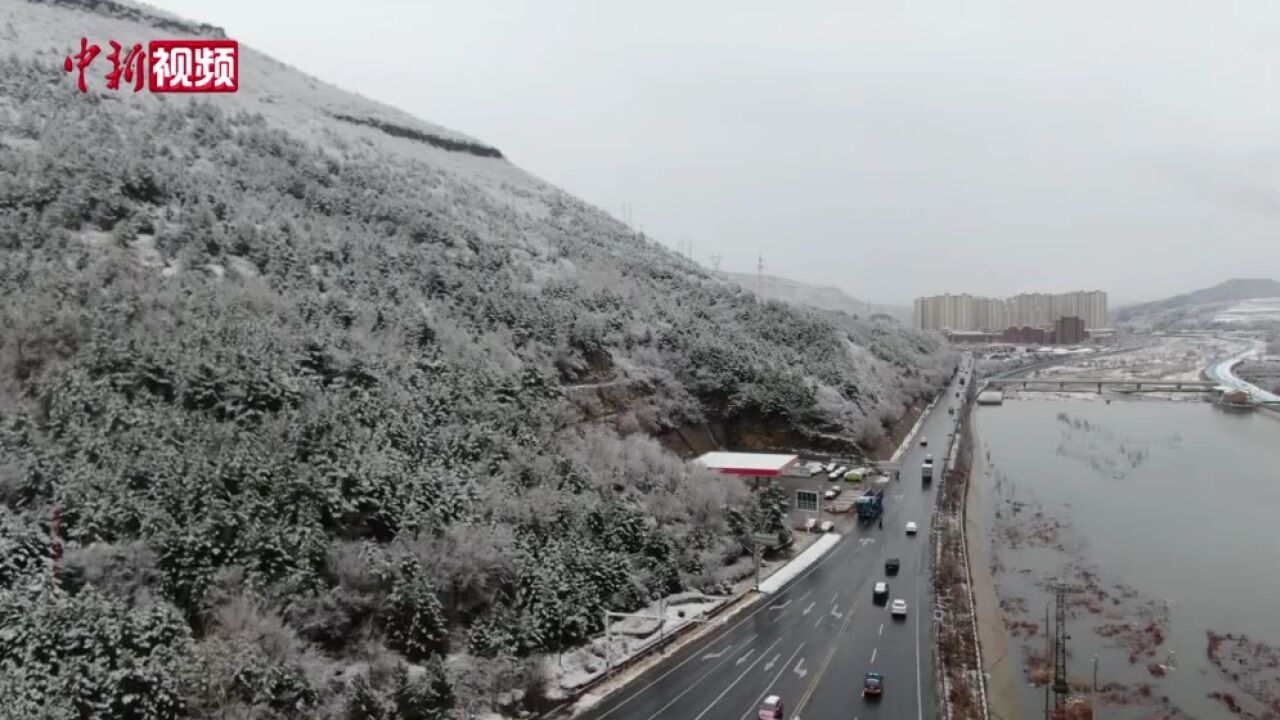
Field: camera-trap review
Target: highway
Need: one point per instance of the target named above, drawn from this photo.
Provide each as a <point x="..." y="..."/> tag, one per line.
<point x="813" y="641"/>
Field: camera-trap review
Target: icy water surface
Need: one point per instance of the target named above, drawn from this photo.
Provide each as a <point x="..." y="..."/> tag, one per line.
<point x="1165" y="516"/>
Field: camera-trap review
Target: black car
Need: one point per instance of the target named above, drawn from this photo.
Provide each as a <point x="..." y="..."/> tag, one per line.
<point x="873" y="685"/>
<point x="891" y="566"/>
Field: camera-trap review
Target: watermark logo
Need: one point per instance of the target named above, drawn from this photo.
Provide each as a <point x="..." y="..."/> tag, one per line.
<point x="167" y="66"/>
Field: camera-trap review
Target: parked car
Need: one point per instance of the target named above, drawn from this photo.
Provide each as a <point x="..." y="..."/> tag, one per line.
<point x="873" y="685"/>
<point x="831" y="494"/>
<point x="891" y="566"/>
<point x="771" y="709"/>
<point x="898" y="608"/>
<point x="880" y="592"/>
<point x="826" y="526"/>
<point x="911" y="528"/>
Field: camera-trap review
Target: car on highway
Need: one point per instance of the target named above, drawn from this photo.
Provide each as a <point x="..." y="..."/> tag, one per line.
<point x="912" y="527"/>
<point x="873" y="685"/>
<point x="924" y="442"/>
<point x="771" y="709"/>
<point x="898" y="608"/>
<point x="891" y="566"/>
<point x="880" y="592"/>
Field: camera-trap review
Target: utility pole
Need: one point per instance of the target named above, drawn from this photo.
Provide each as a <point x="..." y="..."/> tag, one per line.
<point x="1048" y="654"/>
<point x="760" y="272"/>
<point x="55" y="532"/>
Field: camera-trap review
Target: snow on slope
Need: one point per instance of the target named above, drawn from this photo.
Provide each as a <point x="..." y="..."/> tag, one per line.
<point x="284" y="95"/>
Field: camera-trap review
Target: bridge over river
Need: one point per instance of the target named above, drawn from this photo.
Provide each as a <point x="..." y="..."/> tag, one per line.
<point x="1078" y="384"/>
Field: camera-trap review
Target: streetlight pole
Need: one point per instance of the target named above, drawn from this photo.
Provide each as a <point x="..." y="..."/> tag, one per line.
<point x="755" y="543"/>
<point x="1093" y="701"/>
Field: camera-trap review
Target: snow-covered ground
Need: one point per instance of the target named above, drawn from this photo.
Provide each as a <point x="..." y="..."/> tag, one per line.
<point x="1172" y="358"/>
<point x="631" y="636"/>
<point x="627" y="637"/>
<point x="1251" y="311"/>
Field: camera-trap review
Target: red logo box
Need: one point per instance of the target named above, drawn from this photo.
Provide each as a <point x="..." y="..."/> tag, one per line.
<point x="188" y="66"/>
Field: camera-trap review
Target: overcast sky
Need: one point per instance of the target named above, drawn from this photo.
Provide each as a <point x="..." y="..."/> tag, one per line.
<point x="892" y="149"/>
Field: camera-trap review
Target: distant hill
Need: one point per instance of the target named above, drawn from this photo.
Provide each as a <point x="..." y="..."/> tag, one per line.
<point x="823" y="298"/>
<point x="1197" y="308"/>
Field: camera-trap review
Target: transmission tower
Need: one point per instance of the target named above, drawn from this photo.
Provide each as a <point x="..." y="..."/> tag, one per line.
<point x="715" y="261"/>
<point x="1061" y="686"/>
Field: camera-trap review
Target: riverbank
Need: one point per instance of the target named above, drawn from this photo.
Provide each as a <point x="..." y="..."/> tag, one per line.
<point x="1000" y="665"/>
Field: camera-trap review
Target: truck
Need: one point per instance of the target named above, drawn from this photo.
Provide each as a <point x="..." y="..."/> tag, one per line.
<point x="870" y="504"/>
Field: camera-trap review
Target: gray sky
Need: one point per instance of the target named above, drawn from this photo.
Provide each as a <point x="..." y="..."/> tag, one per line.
<point x="889" y="148"/>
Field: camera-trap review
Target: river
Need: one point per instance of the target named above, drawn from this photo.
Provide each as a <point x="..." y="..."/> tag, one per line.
<point x="1163" y="517"/>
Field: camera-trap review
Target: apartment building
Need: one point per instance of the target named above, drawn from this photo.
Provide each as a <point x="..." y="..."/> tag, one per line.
<point x="1035" y="310"/>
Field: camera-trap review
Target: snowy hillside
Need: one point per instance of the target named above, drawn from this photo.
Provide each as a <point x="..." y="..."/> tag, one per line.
<point x="1235" y="303"/>
<point x="822" y="297"/>
<point x="339" y="412"/>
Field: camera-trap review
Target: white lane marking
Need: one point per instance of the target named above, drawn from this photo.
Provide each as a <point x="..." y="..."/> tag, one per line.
<point x="806" y="610"/>
<point x="881" y="629"/>
<point x="744" y="657"/>
<point x="820" y="619"/>
<point x="716" y="655"/>
<point x="752" y="712"/>
<point x="773" y="661"/>
<point x="873" y="655"/>
<point x="919" y="702"/>
<point x="802" y="597"/>
<point x="834" y="611"/>
<point x="835" y="598"/>
<point x="800" y="669"/>
<point x="694" y="684"/>
<point x="865" y="541"/>
<point x="737" y="680"/>
<point x="779" y="607"/>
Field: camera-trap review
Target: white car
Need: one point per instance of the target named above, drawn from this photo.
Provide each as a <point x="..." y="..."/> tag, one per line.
<point x="826" y="526"/>
<point x="924" y="442"/>
<point x="771" y="709"/>
<point x="831" y="494"/>
<point x="898" y="608"/>
<point x="911" y="528"/>
<point x="880" y="591"/>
